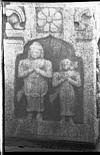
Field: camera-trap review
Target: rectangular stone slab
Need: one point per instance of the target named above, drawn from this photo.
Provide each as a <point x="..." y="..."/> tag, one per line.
<point x="71" y="37"/>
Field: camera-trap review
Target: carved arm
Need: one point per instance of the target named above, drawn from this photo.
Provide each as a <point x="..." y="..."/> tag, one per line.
<point x="24" y="68"/>
<point x="57" y="79"/>
<point x="76" y="81"/>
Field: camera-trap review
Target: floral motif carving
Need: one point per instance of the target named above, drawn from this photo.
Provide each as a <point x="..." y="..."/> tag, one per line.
<point x="49" y="20"/>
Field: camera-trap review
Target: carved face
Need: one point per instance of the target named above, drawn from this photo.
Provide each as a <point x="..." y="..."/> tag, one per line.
<point x="36" y="50"/>
<point x="65" y="64"/>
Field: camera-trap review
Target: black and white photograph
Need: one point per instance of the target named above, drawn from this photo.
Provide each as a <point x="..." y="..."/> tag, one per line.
<point x="51" y="76"/>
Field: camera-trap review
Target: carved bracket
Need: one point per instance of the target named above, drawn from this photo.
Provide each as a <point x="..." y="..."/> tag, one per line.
<point x="15" y="20"/>
<point x="15" y="17"/>
<point x="83" y="24"/>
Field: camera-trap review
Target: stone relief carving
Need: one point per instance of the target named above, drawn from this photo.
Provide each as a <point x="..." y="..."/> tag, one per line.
<point x="66" y="78"/>
<point x="43" y="83"/>
<point x="83" y="23"/>
<point x="15" y="20"/>
<point x="35" y="69"/>
<point x="16" y="17"/>
<point x="43" y="78"/>
<point x="49" y="20"/>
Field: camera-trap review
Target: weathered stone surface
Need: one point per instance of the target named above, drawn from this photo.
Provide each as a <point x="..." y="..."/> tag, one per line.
<point x="55" y="130"/>
<point x="84" y="23"/>
<point x="78" y="33"/>
<point x="98" y="79"/>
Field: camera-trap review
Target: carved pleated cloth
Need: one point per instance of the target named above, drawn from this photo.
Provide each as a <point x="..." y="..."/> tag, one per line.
<point x="35" y="104"/>
<point x="67" y="98"/>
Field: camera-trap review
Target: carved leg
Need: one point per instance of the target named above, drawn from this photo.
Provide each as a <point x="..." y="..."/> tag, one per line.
<point x="39" y="116"/>
<point x="30" y="121"/>
<point x="71" y="121"/>
<point x="29" y="117"/>
<point x="20" y="122"/>
<point x="62" y="119"/>
<point x="40" y="110"/>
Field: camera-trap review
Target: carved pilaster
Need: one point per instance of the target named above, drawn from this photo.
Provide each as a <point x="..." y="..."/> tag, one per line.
<point x="84" y="26"/>
<point x="98" y="80"/>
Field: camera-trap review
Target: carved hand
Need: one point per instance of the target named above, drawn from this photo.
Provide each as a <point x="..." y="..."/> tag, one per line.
<point x="66" y="76"/>
<point x="37" y="64"/>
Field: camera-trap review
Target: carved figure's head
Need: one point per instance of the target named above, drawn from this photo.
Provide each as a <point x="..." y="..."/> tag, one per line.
<point x="65" y="64"/>
<point x="36" y="50"/>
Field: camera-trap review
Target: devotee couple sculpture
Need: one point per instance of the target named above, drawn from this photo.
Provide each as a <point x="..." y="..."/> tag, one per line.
<point x="35" y="70"/>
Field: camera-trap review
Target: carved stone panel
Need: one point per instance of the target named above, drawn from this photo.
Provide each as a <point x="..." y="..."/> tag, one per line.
<point x="50" y="71"/>
<point x="49" y="20"/>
